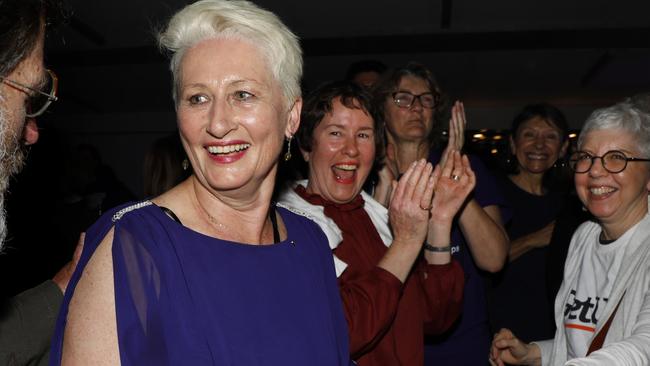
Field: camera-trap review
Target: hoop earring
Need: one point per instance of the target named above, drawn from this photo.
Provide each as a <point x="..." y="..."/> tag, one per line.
<point x="185" y="164"/>
<point x="287" y="155"/>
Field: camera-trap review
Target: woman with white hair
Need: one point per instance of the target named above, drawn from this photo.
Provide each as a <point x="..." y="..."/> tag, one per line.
<point x="602" y="310"/>
<point x="211" y="272"/>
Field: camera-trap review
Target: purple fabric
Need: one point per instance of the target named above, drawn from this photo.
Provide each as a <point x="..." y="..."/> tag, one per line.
<point x="183" y="298"/>
<point x="517" y="297"/>
<point x="467" y="343"/>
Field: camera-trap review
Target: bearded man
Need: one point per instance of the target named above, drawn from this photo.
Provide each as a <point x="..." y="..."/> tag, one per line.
<point x="26" y="90"/>
<point x="22" y="78"/>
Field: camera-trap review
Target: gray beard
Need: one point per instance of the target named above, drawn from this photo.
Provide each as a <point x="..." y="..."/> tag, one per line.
<point x="12" y="159"/>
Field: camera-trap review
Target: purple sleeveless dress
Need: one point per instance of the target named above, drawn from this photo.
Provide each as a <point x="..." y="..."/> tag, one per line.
<point x="183" y="298"/>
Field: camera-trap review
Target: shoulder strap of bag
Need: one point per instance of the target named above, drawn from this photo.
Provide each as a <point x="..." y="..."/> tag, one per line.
<point x="599" y="339"/>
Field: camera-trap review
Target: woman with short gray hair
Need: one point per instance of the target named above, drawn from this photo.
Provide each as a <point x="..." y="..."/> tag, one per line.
<point x="602" y="310"/>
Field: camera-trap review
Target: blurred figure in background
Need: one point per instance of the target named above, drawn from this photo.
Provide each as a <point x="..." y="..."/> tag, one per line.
<point x="165" y="165"/>
<point x="90" y="186"/>
<point x="538" y="142"/>
<point x="365" y="73"/>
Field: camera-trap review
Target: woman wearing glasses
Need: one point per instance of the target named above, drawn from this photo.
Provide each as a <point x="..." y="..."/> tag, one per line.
<point x="602" y="311"/>
<point x="408" y="99"/>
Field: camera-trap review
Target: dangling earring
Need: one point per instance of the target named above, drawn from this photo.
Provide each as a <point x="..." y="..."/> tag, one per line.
<point x="287" y="155"/>
<point x="185" y="164"/>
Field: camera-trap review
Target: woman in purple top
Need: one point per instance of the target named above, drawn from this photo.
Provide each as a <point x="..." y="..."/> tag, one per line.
<point x="210" y="273"/>
<point x="409" y="100"/>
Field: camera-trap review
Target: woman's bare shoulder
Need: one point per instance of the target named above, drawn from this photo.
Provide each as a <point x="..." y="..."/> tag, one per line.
<point x="90" y="336"/>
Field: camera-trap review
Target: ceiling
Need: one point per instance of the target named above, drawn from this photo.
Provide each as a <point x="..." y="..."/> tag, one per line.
<point x="495" y="55"/>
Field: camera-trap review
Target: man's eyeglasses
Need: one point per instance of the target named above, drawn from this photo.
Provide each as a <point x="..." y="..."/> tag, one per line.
<point x="405" y="99"/>
<point x="38" y="100"/>
<point x="613" y="161"/>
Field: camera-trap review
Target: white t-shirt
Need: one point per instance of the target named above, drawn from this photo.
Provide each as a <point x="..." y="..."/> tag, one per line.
<point x="591" y="292"/>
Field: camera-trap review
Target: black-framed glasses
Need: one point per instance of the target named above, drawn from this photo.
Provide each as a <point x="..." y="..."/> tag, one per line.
<point x="613" y="161"/>
<point x="405" y="99"/>
<point x="38" y="100"/>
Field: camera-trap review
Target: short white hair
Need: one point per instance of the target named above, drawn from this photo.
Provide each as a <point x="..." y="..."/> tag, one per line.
<point x="208" y="19"/>
<point x="626" y="116"/>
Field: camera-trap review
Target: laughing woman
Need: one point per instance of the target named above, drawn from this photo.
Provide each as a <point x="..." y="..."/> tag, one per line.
<point x="210" y="273"/>
<point x="391" y="295"/>
<point x="602" y="310"/>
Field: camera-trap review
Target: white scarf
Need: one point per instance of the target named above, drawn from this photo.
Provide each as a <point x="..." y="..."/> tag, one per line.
<point x="378" y="214"/>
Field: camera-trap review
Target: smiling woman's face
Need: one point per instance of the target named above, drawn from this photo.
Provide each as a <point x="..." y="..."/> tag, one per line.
<point x="537" y="145"/>
<point x="619" y="199"/>
<point x="232" y="114"/>
<point x="342" y="153"/>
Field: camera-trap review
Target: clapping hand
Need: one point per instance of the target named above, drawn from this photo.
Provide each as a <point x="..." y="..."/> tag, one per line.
<point x="457" y="124"/>
<point x="453" y="183"/>
<point x="409" y="203"/>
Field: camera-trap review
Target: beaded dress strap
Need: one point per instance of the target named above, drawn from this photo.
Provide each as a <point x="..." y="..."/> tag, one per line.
<point x="118" y="215"/>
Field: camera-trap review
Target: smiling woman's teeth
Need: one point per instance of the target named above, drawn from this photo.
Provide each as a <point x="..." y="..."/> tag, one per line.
<point x="601" y="190"/>
<point x="344" y="171"/>
<point x="346" y="167"/>
<point x="228" y="149"/>
<point x="536" y="156"/>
